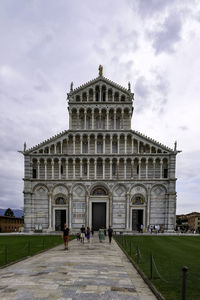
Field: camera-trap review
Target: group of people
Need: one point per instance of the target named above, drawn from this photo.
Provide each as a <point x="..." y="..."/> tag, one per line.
<point x="86" y="233"/>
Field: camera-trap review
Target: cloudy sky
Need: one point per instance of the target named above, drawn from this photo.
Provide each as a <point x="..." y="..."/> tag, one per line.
<point x="46" y="44"/>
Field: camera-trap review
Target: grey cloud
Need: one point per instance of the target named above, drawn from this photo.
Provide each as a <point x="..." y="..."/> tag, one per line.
<point x="184" y="128"/>
<point x="169" y="34"/>
<point x="150" y="7"/>
<point x="151" y="93"/>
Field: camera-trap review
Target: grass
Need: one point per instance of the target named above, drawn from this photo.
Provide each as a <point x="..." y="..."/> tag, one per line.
<point x="18" y="247"/>
<point x="170" y="254"/>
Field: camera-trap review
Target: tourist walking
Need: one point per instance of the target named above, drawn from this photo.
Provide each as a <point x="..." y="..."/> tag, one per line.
<point x="110" y="233"/>
<point x="82" y="233"/>
<point x="88" y="234"/>
<point x="65" y="236"/>
<point x="101" y="235"/>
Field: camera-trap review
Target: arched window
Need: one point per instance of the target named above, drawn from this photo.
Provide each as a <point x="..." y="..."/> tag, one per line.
<point x="97" y="93"/>
<point x="138" y="200"/>
<point x="60" y="200"/>
<point x="99" y="192"/>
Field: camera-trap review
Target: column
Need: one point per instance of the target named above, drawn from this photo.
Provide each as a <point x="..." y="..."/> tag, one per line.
<point x="127" y="210"/>
<point x="70" y="210"/>
<point x="107" y="95"/>
<point x="125" y="144"/>
<point x="59" y="168"/>
<point x="107" y="118"/>
<point x="95" y="169"/>
<point x="154" y="167"/>
<point x="110" y="168"/>
<point x="118" y="144"/>
<point x="113" y="96"/>
<point x="50" y="219"/>
<point x="110" y="144"/>
<point x="87" y="210"/>
<point x="38" y="169"/>
<point x="55" y="149"/>
<point x="81" y="145"/>
<point x="73" y="144"/>
<point x="73" y="168"/>
<point x="61" y="147"/>
<point x="45" y="169"/>
<point x="122" y="123"/>
<point x="118" y="168"/>
<point x="138" y="147"/>
<point x="132" y="164"/>
<point x="103" y="168"/>
<point x="95" y="145"/>
<point x="146" y="170"/>
<point x="104" y="144"/>
<point x="52" y="169"/>
<point x="114" y="119"/>
<point x="100" y="125"/>
<point x="129" y="119"/>
<point x="88" y="144"/>
<point x="66" y="166"/>
<point x="88" y="168"/>
<point x="85" y="119"/>
<point x="100" y="93"/>
<point x="93" y="95"/>
<point x="124" y="168"/>
<point x="161" y="168"/>
<point x="139" y="174"/>
<point x="92" y="119"/>
<point x="81" y="168"/>
<point x="110" y="219"/>
<point x="148" y="207"/>
<point x="132" y="144"/>
<point x="87" y="95"/>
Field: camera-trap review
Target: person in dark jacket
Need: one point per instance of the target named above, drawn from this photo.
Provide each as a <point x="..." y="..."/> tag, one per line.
<point x="110" y="233"/>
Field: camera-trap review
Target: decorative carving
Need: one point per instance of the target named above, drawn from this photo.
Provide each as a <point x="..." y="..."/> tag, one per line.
<point x="158" y="191"/>
<point x="41" y="190"/>
<point x="120" y="190"/>
<point x="60" y="200"/>
<point x="78" y="191"/>
<point x="99" y="192"/>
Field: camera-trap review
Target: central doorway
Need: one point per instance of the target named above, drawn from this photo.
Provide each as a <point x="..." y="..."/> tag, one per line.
<point x="98" y="215"/>
<point x="137" y="219"/>
<point x="60" y="219"/>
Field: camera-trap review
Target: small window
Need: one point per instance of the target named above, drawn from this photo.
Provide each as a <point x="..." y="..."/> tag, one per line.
<point x="85" y="147"/>
<point x="60" y="200"/>
<point x="99" y="147"/>
<point x="165" y="173"/>
<point x="138" y="169"/>
<point x="34" y="173"/>
<point x="114" y="167"/>
<point x="114" y="147"/>
<point x="85" y="169"/>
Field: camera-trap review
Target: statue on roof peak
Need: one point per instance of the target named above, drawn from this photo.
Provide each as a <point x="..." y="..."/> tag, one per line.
<point x="71" y="87"/>
<point x="100" y="70"/>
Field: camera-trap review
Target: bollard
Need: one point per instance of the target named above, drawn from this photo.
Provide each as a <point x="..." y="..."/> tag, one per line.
<point x="151" y="266"/>
<point x="138" y="255"/>
<point x="6" y="254"/>
<point x="29" y="248"/>
<point x="130" y="248"/>
<point x="184" y="272"/>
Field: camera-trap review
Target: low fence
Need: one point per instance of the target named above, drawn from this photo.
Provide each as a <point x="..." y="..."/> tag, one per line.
<point x="152" y="270"/>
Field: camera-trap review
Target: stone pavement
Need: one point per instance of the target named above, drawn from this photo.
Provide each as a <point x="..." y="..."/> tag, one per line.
<point x="90" y="271"/>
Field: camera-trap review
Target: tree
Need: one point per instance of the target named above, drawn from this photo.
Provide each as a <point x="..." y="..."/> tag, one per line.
<point x="9" y="213"/>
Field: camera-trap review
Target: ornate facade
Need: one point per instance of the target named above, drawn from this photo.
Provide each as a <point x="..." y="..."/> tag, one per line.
<point x="100" y="172"/>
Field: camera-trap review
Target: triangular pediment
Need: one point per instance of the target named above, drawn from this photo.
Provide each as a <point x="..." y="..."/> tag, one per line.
<point x="99" y="80"/>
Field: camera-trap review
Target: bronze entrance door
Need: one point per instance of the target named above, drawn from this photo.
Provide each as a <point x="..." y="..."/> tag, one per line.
<point x="60" y="219"/>
<point x="137" y="219"/>
<point x="98" y="215"/>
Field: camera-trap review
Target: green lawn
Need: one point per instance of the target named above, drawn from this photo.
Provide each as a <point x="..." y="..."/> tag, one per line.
<point x="18" y="247"/>
<point x="170" y="254"/>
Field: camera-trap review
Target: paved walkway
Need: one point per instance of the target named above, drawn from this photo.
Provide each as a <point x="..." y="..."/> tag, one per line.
<point x="90" y="271"/>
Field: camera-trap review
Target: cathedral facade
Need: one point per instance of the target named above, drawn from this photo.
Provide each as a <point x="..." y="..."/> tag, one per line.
<point x="100" y="172"/>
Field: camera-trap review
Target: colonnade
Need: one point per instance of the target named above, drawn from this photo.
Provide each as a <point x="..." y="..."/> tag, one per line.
<point x="89" y="118"/>
<point x="107" y="143"/>
<point x="96" y="168"/>
<point x="101" y="93"/>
